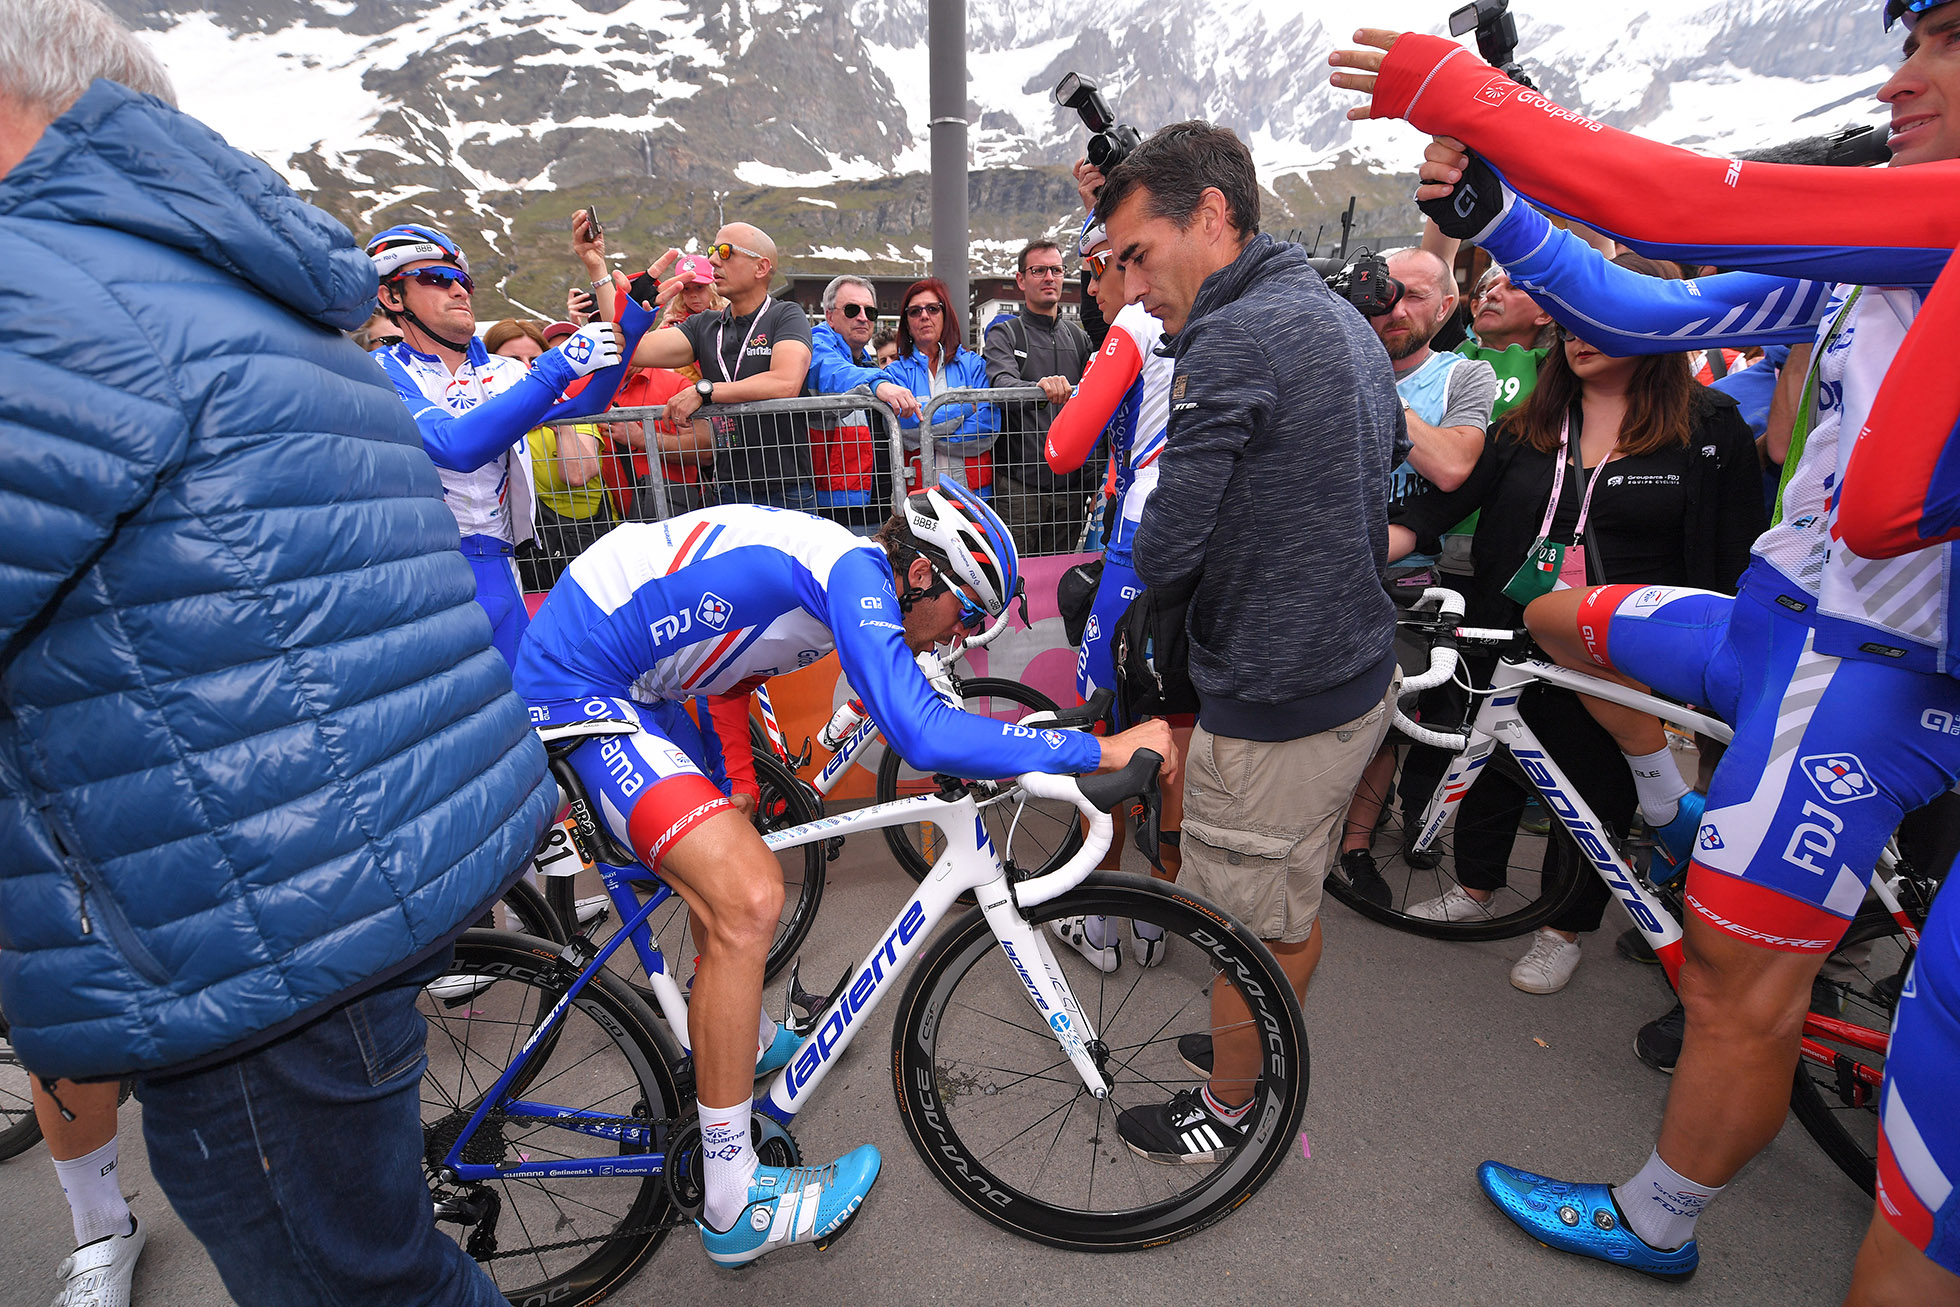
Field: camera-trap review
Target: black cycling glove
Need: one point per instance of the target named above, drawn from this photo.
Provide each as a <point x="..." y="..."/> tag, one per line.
<point x="1469" y="210"/>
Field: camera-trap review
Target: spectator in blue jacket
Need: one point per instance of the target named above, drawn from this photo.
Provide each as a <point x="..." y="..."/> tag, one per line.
<point x="845" y="448"/>
<point x="259" y="764"/>
<point x="933" y="357"/>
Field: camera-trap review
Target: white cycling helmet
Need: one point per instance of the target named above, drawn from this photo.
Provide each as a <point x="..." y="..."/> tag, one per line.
<point x="395" y="248"/>
<point x="956" y="525"/>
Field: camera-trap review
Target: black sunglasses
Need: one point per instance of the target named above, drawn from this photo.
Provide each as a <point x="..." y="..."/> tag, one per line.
<point x="859" y="310"/>
<point x="925" y="310"/>
<point x="440" y="278"/>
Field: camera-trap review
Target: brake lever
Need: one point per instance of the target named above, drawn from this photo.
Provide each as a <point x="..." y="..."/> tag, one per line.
<point x="1147" y="814"/>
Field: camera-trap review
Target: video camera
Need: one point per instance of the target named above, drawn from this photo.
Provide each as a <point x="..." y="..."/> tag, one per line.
<point x="1362" y="281"/>
<point x="1112" y="141"/>
<point x="1497" y="35"/>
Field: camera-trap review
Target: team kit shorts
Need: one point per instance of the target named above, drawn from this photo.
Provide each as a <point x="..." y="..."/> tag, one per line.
<point x="653" y="785"/>
<point x="1829" y="754"/>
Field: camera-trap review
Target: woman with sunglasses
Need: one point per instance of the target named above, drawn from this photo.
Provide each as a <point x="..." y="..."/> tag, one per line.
<point x="473" y="407"/>
<point x="1613" y="471"/>
<point x="933" y="358"/>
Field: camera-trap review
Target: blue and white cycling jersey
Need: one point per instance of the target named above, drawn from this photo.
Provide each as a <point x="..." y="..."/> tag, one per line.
<point x="1137" y="434"/>
<point x="1896" y="610"/>
<point x="486" y="499"/>
<point x="711" y="601"/>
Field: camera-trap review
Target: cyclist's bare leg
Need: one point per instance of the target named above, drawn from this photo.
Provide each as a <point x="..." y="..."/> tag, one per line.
<point x="1731" y="1091"/>
<point x="1890" y="1272"/>
<point x="1554" y="623"/>
<point x="1235" y="1044"/>
<point x="733" y="887"/>
<point x="1365" y="808"/>
<point x="94" y="1107"/>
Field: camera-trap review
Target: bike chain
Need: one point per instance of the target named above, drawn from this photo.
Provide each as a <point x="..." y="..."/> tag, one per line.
<point x="674" y="1220"/>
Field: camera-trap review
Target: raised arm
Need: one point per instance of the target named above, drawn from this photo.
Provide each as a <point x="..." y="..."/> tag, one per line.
<point x="1870" y="226"/>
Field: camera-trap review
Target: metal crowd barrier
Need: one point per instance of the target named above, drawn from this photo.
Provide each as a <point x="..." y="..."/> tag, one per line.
<point x="780" y="452"/>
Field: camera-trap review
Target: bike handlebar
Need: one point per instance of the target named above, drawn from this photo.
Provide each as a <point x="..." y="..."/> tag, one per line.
<point x="1443" y="660"/>
<point x="1093" y="796"/>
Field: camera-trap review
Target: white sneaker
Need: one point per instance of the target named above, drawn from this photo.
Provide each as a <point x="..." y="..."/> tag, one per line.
<point x="1148" y="950"/>
<point x="97" y="1274"/>
<point x="1074" y="932"/>
<point x="592" y="909"/>
<point x="453" y="991"/>
<point x="1548" y="964"/>
<point x="1453" y="904"/>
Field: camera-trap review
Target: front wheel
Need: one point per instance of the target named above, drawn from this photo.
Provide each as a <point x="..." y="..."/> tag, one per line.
<point x="1002" y="1118"/>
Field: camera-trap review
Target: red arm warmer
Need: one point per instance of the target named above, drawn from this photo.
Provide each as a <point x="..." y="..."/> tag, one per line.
<point x="1658" y="194"/>
<point x="1896" y="496"/>
<point x="1111" y="373"/>
<point x="731" y="716"/>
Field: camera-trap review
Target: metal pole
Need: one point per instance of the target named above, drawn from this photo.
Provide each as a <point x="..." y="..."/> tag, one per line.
<point x="947" y="34"/>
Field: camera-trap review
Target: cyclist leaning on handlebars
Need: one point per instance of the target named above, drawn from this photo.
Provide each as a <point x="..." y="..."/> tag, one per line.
<point x="710" y="604"/>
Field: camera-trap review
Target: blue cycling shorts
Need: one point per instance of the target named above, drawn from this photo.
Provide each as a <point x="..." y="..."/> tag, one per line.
<point x="1095" y="665"/>
<point x="1919" y="1132"/>
<point x="501" y="596"/>
<point x="1828" y="754"/>
<point x="649" y="787"/>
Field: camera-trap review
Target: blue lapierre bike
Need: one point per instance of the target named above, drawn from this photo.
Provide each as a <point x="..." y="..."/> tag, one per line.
<point x="558" y="1109"/>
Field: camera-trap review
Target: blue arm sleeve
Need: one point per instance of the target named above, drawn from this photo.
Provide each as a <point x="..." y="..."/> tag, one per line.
<point x="1623" y="312"/>
<point x="869" y="632"/>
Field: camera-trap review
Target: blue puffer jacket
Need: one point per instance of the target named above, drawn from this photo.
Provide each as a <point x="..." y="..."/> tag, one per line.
<point x="256" y="752"/>
<point x="979" y="423"/>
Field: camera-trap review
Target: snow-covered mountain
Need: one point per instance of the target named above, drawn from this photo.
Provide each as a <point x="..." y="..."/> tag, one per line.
<point x="476" y="110"/>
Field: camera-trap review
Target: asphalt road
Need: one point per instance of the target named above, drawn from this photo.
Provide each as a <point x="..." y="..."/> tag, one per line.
<point x="1424" y="1062"/>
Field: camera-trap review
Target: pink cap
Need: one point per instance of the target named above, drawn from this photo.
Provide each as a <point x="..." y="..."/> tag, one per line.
<point x="558" y="331"/>
<point x="695" y="268"/>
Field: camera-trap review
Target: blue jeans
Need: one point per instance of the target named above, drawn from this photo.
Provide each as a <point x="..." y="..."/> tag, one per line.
<point x="299" y="1166"/>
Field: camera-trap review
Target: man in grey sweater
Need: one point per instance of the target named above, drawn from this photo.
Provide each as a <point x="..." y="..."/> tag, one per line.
<point x="1269" y="523"/>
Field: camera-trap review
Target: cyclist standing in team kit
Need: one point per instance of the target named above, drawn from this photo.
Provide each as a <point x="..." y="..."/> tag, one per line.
<point x="1835" y="669"/>
<point x="711" y="604"/>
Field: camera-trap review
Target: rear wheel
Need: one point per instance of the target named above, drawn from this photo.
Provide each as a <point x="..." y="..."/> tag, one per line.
<point x="606" y="1070"/>
<point x="1837" y="1102"/>
<point x="1038" y="835"/>
<point x="1002" y="1118"/>
<point x="19" y="1130"/>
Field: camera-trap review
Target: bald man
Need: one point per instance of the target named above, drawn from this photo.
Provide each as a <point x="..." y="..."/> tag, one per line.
<point x="756" y="348"/>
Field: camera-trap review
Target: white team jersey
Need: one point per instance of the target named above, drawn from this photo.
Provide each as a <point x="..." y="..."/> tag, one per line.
<point x="1153" y="411"/>
<point x="489" y="501"/>
<point x="1905" y="597"/>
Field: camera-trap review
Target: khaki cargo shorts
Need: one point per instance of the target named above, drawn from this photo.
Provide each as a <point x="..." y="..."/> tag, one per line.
<point x="1263" y="819"/>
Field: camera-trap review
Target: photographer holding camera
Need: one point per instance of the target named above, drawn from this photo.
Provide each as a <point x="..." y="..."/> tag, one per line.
<point x="1269" y="530"/>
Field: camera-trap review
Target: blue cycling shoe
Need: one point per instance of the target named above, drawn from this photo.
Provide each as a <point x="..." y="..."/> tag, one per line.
<point x="1582" y="1219"/>
<point x="777" y="1055"/>
<point x="795" y="1204"/>
<point x="1675" y="842"/>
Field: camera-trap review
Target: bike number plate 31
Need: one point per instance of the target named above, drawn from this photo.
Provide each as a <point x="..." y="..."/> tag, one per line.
<point x="559" y="854"/>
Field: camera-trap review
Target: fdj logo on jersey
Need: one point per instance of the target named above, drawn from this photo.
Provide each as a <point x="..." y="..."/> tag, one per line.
<point x="715" y="610"/>
<point x="578" y="349"/>
<point x="1839" y="777"/>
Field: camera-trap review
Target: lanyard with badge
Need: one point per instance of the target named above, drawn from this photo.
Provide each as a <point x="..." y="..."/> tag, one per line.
<point x="1549" y="565"/>
<point x="726" y="427"/>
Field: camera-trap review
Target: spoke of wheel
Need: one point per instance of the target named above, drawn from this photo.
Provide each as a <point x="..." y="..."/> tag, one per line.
<point x="1030" y="1128"/>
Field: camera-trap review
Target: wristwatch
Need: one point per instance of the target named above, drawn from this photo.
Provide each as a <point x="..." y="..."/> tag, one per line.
<point x="706" y="390"/>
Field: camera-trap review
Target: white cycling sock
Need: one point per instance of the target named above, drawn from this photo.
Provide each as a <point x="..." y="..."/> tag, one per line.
<point x="1662" y="1205"/>
<point x="765" y="1035"/>
<point x="1229" y="1115"/>
<point x="95" y="1200"/>
<point x="1658" y="783"/>
<point x="727" y="1163"/>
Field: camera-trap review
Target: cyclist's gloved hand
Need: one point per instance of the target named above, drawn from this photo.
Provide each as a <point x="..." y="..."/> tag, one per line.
<point x="594" y="346"/>
<point x="1474" y="206"/>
